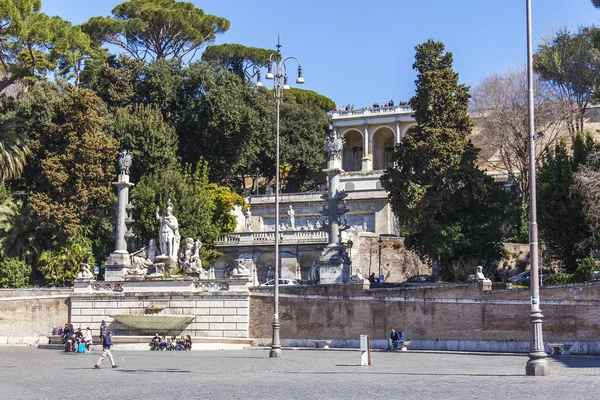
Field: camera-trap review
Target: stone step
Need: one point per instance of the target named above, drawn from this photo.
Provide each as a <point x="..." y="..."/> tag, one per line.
<point x="142" y="343"/>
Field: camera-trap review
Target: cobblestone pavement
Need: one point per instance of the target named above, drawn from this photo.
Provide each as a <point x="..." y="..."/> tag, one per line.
<point x="30" y="373"/>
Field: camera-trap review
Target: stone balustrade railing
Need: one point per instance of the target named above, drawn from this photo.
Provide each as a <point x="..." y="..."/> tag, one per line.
<point x="268" y="238"/>
<point x="363" y="112"/>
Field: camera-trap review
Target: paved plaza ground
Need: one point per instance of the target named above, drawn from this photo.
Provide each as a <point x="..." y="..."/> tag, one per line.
<point x="31" y="373"/>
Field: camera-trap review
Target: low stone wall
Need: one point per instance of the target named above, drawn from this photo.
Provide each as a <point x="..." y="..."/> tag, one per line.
<point x="217" y="314"/>
<point x="28" y="315"/>
<point x="445" y="318"/>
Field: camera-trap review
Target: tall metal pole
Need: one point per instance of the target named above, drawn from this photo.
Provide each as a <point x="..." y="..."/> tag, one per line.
<point x="537" y="364"/>
<point x="276" y="345"/>
<point x="379" y="242"/>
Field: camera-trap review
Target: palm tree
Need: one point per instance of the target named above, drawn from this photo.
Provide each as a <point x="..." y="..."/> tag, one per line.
<point x="13" y="149"/>
<point x="18" y="236"/>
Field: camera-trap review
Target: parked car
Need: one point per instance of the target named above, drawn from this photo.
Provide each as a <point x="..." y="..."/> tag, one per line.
<point x="282" y="282"/>
<point x="525" y="276"/>
<point x="419" y="280"/>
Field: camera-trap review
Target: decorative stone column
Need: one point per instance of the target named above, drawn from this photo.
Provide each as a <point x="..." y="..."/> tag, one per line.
<point x="119" y="260"/>
<point x="366" y="160"/>
<point x="332" y="261"/>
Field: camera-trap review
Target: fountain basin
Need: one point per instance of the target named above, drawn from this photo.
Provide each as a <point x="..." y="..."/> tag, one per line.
<point x="155" y="322"/>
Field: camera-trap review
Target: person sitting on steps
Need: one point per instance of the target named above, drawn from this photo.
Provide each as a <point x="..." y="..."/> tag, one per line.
<point x="393" y="340"/>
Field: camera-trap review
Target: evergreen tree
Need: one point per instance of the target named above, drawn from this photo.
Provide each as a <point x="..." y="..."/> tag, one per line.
<point x="153" y="141"/>
<point x="72" y="161"/>
<point x="563" y="228"/>
<point x="157" y="29"/>
<point x="447" y="207"/>
<point x="33" y="44"/>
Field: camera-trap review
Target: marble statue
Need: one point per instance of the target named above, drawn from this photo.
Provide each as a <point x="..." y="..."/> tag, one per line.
<point x="248" y="219"/>
<point x="309" y="225"/>
<point x="358" y="277"/>
<point x="169" y="232"/>
<point x="270" y="274"/>
<point x="125" y="159"/>
<point x="152" y="250"/>
<point x="291" y="218"/>
<point x="85" y="272"/>
<point x="139" y="263"/>
<point x="318" y="225"/>
<point x="242" y="267"/>
<point x="479" y="273"/>
<point x="189" y="259"/>
<point x="335" y="146"/>
<point x="313" y="274"/>
<point x="478" y="276"/>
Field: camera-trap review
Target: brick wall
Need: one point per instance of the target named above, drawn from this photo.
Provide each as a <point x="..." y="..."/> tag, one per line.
<point x="460" y="316"/>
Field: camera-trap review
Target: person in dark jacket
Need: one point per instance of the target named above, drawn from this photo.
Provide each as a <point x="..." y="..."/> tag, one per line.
<point x="103" y="329"/>
<point x="106" y="345"/>
<point x="393" y="340"/>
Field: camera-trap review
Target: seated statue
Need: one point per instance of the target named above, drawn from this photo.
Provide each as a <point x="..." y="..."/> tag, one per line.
<point x="139" y="263"/>
<point x="85" y="272"/>
<point x="241" y="268"/>
<point x="190" y="258"/>
<point x="357" y="277"/>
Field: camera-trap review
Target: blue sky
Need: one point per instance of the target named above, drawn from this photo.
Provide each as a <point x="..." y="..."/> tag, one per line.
<point x="359" y="52"/>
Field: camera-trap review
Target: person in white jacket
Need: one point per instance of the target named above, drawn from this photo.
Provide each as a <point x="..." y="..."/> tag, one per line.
<point x="87" y="339"/>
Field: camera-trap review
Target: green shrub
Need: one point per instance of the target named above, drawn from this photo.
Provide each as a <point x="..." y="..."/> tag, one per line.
<point x="555" y="279"/>
<point x="14" y="273"/>
<point x="61" y="266"/>
<point x="585" y="269"/>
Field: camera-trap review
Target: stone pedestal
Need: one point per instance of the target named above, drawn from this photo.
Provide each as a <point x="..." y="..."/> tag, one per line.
<point x="289" y="267"/>
<point x="331" y="264"/>
<point x="240" y="283"/>
<point x="115" y="265"/>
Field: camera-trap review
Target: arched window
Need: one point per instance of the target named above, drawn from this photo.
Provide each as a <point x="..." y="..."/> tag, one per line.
<point x="383" y="148"/>
<point x="353" y="151"/>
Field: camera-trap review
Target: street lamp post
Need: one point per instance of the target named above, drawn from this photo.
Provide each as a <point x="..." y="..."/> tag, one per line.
<point x="380" y="242"/>
<point x="537" y="364"/>
<point x="279" y="76"/>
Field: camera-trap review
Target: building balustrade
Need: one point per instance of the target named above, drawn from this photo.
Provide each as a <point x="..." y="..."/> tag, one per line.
<point x="268" y="238"/>
<point x="363" y="112"/>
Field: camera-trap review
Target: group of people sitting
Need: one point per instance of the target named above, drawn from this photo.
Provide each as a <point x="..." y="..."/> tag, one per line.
<point x="75" y="340"/>
<point x="174" y="343"/>
<point x="396" y="339"/>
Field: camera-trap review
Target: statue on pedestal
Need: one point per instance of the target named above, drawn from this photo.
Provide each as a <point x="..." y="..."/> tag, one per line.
<point x="85" y="272"/>
<point x="168" y="233"/>
<point x="291" y="218"/>
<point x="248" y="219"/>
<point x="313" y="274"/>
<point x="189" y="259"/>
<point x="125" y="160"/>
<point x="335" y="146"/>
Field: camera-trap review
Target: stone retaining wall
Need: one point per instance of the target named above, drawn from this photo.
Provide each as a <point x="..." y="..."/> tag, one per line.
<point x="445" y="318"/>
<point x="28" y="315"/>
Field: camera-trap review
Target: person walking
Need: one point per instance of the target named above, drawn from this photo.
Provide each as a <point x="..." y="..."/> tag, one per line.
<point x="106" y="345"/>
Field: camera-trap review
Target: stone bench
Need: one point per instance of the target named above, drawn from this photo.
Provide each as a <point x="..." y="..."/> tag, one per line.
<point x="402" y="346"/>
<point x="559" y="349"/>
<point x="321" y="343"/>
<point x="55" y="339"/>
